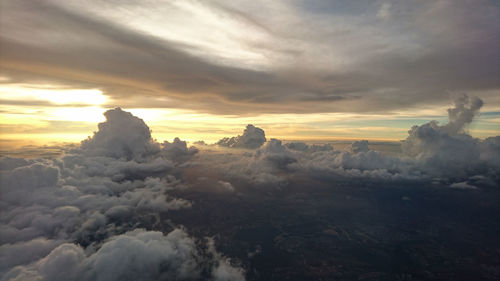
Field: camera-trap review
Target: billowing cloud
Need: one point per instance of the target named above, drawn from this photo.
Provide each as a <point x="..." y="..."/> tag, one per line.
<point x="121" y="136"/>
<point x="431" y="151"/>
<point x="448" y="149"/>
<point x="178" y="149"/>
<point x="252" y="138"/>
<point x="135" y="255"/>
<point x="86" y="211"/>
<point x="77" y="217"/>
<point x="275" y="154"/>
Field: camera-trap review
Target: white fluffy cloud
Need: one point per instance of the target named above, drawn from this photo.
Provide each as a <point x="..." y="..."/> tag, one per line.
<point x="73" y="217"/>
<point x="76" y="217"/>
<point x="135" y="255"/>
<point x="431" y="151"/>
<point x="121" y="136"/>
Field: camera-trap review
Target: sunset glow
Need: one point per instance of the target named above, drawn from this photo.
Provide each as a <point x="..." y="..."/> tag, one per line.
<point x="238" y="140"/>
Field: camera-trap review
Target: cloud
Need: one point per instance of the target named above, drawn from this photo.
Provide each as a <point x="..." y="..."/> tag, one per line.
<point x="252" y="138"/>
<point x="79" y="216"/>
<point x="122" y="135"/>
<point x="445" y="153"/>
<point x="275" y="154"/>
<point x="338" y="58"/>
<point x="178" y="150"/>
<point x="82" y="215"/>
<point x="447" y="149"/>
<point x="359" y="146"/>
<point x="463" y="113"/>
<point x="227" y="186"/>
<point x="304" y="147"/>
<point x="223" y="270"/>
<point x="135" y="255"/>
<point x="490" y="150"/>
<point x="462" y="185"/>
<point x="25" y="252"/>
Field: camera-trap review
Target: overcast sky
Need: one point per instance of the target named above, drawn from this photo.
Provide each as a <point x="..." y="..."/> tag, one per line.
<point x="305" y="68"/>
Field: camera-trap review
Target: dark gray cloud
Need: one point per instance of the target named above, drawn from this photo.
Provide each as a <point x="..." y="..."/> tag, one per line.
<point x="252" y="138"/>
<point x="178" y="150"/>
<point x="320" y="57"/>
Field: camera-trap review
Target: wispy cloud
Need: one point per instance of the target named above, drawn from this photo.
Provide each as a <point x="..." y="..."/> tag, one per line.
<point x="231" y="57"/>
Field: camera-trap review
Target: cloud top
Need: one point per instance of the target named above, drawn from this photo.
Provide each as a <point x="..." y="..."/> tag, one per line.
<point x="122" y="135"/>
<point x="252" y="138"/>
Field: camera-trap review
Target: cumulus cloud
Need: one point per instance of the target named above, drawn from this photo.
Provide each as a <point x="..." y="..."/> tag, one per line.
<point x="81" y="211"/>
<point x="122" y="135"/>
<point x="135" y="255"/>
<point x="446" y="153"/>
<point x="466" y="108"/>
<point x="73" y="217"/>
<point x="275" y="154"/>
<point x="358" y="161"/>
<point x="358" y="146"/>
<point x="252" y="138"/>
<point x="178" y="149"/>
<point x="447" y="149"/>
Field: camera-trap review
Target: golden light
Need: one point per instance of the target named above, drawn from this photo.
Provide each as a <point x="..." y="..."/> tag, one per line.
<point x="54" y="94"/>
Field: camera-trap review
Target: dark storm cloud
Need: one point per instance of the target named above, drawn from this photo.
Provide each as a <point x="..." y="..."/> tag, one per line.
<point x="342" y="57"/>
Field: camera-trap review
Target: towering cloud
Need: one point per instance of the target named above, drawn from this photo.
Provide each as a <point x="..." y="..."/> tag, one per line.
<point x="122" y="135"/>
<point x="446" y="149"/>
<point x="463" y="113"/>
<point x="252" y="138"/>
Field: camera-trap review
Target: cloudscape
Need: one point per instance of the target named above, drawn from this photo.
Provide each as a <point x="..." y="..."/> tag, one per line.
<point x="249" y="140"/>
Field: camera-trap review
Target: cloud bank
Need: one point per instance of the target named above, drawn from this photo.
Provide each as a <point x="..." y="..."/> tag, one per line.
<point x="431" y="152"/>
<point x="301" y="57"/>
<point x="97" y="212"/>
<point x="84" y="215"/>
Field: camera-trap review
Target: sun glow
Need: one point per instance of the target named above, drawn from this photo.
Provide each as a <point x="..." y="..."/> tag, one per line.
<point x="44" y="113"/>
<point x="53" y="94"/>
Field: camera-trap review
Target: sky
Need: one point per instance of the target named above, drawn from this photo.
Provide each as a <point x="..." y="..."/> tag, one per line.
<point x="202" y="70"/>
<point x="295" y="94"/>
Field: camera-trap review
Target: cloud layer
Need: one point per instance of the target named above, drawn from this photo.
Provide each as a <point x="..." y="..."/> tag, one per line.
<point x="431" y="152"/>
<point x="83" y="216"/>
<point x="97" y="212"/>
<point x="299" y="57"/>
